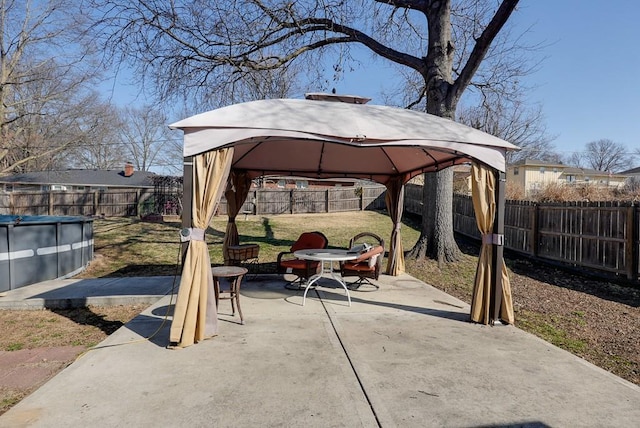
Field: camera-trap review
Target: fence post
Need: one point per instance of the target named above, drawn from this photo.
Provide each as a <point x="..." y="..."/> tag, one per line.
<point x="95" y="202"/>
<point x="50" y="208"/>
<point x="327" y="199"/>
<point x="291" y="199"/>
<point x="362" y="198"/>
<point x="631" y="250"/>
<point x="255" y="202"/>
<point x="137" y="214"/>
<point x="535" y="232"/>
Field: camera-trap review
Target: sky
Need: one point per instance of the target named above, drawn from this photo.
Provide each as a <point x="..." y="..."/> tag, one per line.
<point x="588" y="82"/>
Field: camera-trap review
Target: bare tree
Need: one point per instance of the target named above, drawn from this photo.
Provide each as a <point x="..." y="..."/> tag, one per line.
<point x="607" y="155"/>
<point x="515" y="122"/>
<point x="42" y="73"/>
<point x="147" y="140"/>
<point x="207" y="49"/>
<point x="99" y="145"/>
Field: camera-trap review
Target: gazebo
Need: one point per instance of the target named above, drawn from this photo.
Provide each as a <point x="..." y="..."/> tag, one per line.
<point x="226" y="148"/>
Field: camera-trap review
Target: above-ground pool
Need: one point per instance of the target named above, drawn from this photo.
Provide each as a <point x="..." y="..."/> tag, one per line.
<point x="39" y="248"/>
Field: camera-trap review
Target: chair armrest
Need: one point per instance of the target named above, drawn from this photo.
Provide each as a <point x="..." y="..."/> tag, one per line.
<point x="282" y="254"/>
<point x="372" y="252"/>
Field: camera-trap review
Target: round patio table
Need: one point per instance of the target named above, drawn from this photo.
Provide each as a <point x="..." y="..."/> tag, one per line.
<point x="326" y="257"/>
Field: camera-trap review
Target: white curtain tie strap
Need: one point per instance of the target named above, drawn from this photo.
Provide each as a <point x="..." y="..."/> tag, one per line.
<point x="191" y="234"/>
<point x="492" y="238"/>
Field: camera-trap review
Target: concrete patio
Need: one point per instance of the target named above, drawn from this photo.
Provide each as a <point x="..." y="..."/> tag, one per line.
<point x="401" y="356"/>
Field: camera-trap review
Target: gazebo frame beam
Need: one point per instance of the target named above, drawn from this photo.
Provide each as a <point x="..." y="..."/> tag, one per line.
<point x="187" y="199"/>
<point x="498" y="249"/>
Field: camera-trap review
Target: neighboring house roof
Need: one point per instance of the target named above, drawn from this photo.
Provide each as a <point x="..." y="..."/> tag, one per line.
<point x="632" y="171"/>
<point x="534" y="162"/>
<point x="83" y="177"/>
<point x="586" y="171"/>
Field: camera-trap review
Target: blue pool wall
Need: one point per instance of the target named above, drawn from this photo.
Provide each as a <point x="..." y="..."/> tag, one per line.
<point x="41" y="248"/>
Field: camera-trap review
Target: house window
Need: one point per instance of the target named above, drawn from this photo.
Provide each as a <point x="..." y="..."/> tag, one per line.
<point x="587" y="179"/>
<point x="555" y="170"/>
<point x="516" y="171"/>
<point x="302" y="184"/>
<point x="571" y="178"/>
<point x="542" y="169"/>
<point x="281" y="184"/>
<point x="81" y="188"/>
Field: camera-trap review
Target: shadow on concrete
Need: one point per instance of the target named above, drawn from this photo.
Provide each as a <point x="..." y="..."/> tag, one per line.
<point x="440" y="313"/>
<point x="154" y="329"/>
<point x="533" y="424"/>
<point x="138" y="270"/>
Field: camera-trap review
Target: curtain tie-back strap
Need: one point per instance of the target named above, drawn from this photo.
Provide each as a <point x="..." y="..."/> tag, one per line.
<point x="191" y="234"/>
<point x="231" y="220"/>
<point x="493" y="238"/>
<point x="397" y="227"/>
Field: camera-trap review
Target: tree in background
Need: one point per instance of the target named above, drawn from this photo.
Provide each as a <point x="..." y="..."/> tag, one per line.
<point x="44" y="73"/>
<point x="208" y="52"/>
<point x="604" y="155"/>
<point x="100" y="147"/>
<point x="147" y="140"/>
<point x="515" y="122"/>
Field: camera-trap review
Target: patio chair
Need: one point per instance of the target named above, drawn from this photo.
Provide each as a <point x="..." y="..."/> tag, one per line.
<point x="302" y="269"/>
<point x="369" y="262"/>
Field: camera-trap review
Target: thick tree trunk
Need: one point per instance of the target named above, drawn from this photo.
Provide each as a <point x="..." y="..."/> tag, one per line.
<point x="437" y="239"/>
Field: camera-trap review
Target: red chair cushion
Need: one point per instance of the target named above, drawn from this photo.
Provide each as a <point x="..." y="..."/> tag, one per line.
<point x="358" y="267"/>
<point x="309" y="240"/>
<point x="297" y="264"/>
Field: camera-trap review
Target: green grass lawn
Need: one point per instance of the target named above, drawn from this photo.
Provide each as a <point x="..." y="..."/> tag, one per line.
<point x="129" y="247"/>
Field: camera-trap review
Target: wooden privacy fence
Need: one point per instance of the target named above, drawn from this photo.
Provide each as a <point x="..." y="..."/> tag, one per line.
<point x="109" y="203"/>
<point x="300" y="201"/>
<point x="597" y="235"/>
<point x="122" y="203"/>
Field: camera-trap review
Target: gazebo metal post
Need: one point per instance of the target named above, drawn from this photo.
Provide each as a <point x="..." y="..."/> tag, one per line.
<point x="498" y="248"/>
<point x="187" y="199"/>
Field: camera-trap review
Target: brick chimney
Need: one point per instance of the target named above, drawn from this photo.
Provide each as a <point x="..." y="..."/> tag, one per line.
<point x="128" y="169"/>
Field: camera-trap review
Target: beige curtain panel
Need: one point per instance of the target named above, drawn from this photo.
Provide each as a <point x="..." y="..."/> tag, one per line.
<point x="237" y="190"/>
<point x="394" y="199"/>
<point x="195" y="316"/>
<point x="483" y="187"/>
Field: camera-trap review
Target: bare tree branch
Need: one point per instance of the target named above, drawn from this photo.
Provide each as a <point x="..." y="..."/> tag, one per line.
<point x="482" y="46"/>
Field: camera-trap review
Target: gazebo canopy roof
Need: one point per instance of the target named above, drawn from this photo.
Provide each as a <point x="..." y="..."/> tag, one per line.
<point x="324" y="139"/>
